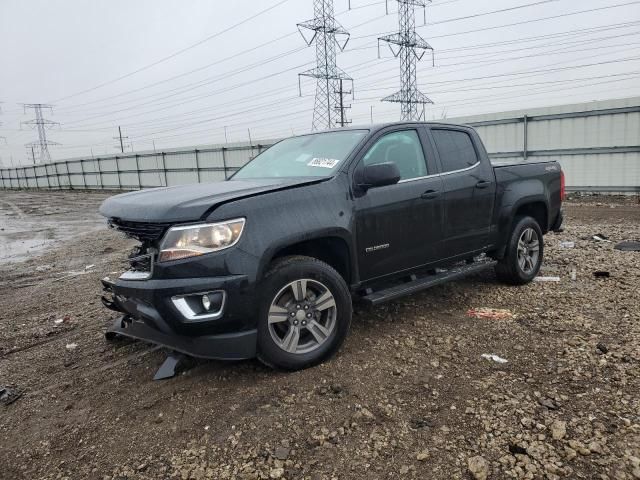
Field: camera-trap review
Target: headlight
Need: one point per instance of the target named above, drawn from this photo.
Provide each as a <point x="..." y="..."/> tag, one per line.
<point x="193" y="240"/>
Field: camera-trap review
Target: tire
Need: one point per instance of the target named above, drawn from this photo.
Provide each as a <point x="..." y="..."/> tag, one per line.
<point x="304" y="295"/>
<point x="510" y="269"/>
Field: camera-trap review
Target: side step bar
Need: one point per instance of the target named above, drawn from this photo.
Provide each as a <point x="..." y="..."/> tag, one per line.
<point x="425" y="282"/>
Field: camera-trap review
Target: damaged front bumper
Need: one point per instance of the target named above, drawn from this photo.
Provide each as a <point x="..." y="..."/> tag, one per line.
<point x="150" y="315"/>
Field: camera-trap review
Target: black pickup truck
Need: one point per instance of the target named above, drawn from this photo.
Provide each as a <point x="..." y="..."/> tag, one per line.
<point x="267" y="263"/>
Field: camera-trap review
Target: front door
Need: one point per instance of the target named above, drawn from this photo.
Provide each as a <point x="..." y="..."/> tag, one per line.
<point x="398" y="227"/>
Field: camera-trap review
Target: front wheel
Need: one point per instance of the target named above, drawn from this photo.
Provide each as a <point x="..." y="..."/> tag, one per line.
<point x="523" y="256"/>
<point x="305" y="313"/>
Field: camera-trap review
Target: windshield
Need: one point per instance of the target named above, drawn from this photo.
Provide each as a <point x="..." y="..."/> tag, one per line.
<point x="315" y="155"/>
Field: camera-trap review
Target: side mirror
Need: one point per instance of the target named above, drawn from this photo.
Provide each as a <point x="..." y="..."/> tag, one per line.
<point x="379" y="175"/>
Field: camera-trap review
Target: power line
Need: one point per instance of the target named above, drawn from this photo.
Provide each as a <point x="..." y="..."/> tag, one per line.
<point x="363" y="37"/>
<point x="175" y="54"/>
<point x="172" y="117"/>
<point x="230" y="57"/>
<point x="280" y="38"/>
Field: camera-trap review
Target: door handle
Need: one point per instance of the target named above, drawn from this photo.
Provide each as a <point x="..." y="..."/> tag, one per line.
<point x="430" y="194"/>
<point x="483" y="184"/>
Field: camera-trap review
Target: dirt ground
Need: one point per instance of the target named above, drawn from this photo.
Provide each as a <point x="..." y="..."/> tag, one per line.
<point x="409" y="395"/>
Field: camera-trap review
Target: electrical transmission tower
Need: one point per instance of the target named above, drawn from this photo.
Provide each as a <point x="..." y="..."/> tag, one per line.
<point x="41" y="124"/>
<point x="328" y="36"/>
<point x="410" y="47"/>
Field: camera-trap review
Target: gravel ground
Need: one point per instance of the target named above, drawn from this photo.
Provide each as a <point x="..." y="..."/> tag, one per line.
<point x="408" y="396"/>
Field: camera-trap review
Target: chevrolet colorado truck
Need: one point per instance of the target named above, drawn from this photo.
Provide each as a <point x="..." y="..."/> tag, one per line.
<point x="268" y="263"/>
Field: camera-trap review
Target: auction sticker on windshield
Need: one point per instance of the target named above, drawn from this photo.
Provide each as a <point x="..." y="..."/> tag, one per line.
<point x="323" y="162"/>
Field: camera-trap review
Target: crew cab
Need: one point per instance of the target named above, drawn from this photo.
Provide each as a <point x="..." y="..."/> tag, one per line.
<point x="268" y="263"/>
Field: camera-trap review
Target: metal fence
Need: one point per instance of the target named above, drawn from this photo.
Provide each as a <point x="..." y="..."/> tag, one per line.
<point x="133" y="171"/>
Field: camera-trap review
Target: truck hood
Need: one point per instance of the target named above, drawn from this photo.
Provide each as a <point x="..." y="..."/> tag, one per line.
<point x="186" y="203"/>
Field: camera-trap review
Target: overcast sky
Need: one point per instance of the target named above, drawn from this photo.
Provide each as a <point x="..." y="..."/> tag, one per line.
<point x="176" y="73"/>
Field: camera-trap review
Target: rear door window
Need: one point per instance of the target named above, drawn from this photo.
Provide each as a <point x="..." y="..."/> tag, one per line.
<point x="455" y="149"/>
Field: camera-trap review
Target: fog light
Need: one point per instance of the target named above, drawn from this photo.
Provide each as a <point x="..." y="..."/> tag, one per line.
<point x="200" y="306"/>
<point x="206" y="302"/>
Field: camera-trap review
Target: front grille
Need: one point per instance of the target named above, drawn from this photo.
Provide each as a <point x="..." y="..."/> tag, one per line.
<point x="140" y="263"/>
<point x="145" y="232"/>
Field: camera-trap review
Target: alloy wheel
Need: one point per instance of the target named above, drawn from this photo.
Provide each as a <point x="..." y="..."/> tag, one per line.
<point x="528" y="250"/>
<point x="302" y="316"/>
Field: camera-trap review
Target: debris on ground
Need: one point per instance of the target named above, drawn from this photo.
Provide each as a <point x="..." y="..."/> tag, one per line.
<point x="490" y="313"/>
<point x="546" y="279"/>
<point x="8" y="394"/>
<point x="601" y="238"/>
<point x="628" y="246"/>
<point x="71" y="346"/>
<point x="59" y="321"/>
<point x="601" y="274"/>
<point x="74" y="273"/>
<point x="567" y="244"/>
<point x="495" y="358"/>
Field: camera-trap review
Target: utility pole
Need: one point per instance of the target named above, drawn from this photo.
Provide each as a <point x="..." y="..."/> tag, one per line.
<point x="120" y="138"/>
<point x="371" y="114"/>
<point x="410" y="47"/>
<point x="226" y="140"/>
<point x="41" y="124"/>
<point x="328" y="36"/>
<point x="341" y="107"/>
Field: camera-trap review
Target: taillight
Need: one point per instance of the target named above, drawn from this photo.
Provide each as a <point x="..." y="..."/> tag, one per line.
<point x="562" y="189"/>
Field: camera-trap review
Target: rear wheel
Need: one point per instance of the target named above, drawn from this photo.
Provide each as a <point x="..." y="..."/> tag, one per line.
<point x="523" y="256"/>
<point x="305" y="313"/>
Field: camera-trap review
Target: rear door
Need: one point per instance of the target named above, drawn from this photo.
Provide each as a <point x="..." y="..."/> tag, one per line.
<point x="469" y="190"/>
<point x="398" y="227"/>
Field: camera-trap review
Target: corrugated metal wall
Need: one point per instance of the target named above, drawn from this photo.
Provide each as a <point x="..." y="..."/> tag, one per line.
<point x="597" y="143"/>
<point x="135" y="171"/>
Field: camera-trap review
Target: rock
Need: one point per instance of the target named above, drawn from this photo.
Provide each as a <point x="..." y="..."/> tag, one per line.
<point x="602" y="348"/>
<point x="570" y="453"/>
<point x="595" y="447"/>
<point x="478" y="467"/>
<point x="363" y="413"/>
<point x="417" y="423"/>
<point x="404" y="469"/>
<point x="282" y="453"/>
<point x="549" y="403"/>
<point x="276" y="473"/>
<point x="558" y="429"/>
<point x="422" y="456"/>
<point x="636" y="472"/>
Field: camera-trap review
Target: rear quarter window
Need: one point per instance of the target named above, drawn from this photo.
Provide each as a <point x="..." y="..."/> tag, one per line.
<point x="455" y="149"/>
